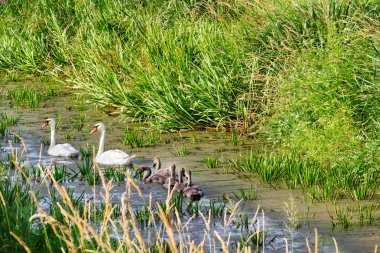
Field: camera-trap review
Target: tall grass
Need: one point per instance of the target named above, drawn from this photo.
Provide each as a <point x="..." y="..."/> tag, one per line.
<point x="318" y="180"/>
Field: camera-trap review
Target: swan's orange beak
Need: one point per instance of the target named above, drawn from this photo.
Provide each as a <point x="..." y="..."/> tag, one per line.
<point x="94" y="129"/>
<point x="46" y="123"/>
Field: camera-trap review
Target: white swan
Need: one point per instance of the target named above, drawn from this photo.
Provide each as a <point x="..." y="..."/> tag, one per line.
<point x="111" y="157"/>
<point x="65" y="149"/>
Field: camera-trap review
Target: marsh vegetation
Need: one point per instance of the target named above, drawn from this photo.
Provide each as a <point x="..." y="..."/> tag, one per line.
<point x="302" y="77"/>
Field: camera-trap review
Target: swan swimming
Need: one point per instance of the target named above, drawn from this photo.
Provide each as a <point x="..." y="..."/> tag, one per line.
<point x="66" y="150"/>
<point x="114" y="157"/>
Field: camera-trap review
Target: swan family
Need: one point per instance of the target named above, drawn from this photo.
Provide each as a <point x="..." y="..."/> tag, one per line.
<point x="116" y="157"/>
<point x="167" y="178"/>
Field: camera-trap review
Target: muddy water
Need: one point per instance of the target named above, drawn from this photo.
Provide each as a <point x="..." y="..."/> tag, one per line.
<point x="214" y="182"/>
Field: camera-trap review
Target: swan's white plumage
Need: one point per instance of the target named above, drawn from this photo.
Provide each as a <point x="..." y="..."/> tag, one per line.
<point x="114" y="157"/>
<point x="65" y="149"/>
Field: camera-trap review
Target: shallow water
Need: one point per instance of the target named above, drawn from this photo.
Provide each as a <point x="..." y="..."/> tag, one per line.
<point x="214" y="182"/>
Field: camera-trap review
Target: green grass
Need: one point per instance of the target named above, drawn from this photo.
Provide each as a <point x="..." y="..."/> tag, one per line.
<point x="140" y="139"/>
<point x="7" y="121"/>
<point x="319" y="181"/>
<point x="182" y="150"/>
<point x="212" y="162"/>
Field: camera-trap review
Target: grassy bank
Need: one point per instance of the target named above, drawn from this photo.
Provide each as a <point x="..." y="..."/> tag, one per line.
<point x="301" y="74"/>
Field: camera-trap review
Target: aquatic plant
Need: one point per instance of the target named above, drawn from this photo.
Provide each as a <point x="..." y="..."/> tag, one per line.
<point x="109" y="172"/>
<point x="234" y="137"/>
<point x="79" y="121"/>
<point x="7" y="121"/>
<point x="251" y="194"/>
<point x="318" y="180"/>
<point x="183" y="150"/>
<point x="212" y="162"/>
<point x="93" y="178"/>
<point x="85" y="166"/>
<point x="60" y="173"/>
<point x="24" y="96"/>
<point x="45" y="141"/>
<point x="86" y="151"/>
<point x="119" y="176"/>
<point x="67" y="136"/>
<point x="140" y="139"/>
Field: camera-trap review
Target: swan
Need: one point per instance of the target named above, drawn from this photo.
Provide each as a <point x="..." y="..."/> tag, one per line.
<point x="114" y="157"/>
<point x="191" y="192"/>
<point x="65" y="149"/>
<point x="171" y="181"/>
<point x="148" y="177"/>
<point x="157" y="165"/>
<point x="147" y="172"/>
<point x="181" y="185"/>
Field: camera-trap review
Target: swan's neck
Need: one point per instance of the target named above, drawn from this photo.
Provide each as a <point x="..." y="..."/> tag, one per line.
<point x="172" y="173"/>
<point x="101" y="143"/>
<point x="52" y="136"/>
<point x="180" y="179"/>
<point x="147" y="174"/>
<point x="189" y="180"/>
<point x="158" y="166"/>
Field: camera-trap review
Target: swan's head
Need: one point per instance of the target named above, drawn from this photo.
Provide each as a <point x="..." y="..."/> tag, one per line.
<point x="181" y="171"/>
<point x="48" y="122"/>
<point x="97" y="127"/>
<point x="156" y="162"/>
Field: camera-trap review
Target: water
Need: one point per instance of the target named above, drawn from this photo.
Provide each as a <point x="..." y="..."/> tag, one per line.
<point x="214" y="182"/>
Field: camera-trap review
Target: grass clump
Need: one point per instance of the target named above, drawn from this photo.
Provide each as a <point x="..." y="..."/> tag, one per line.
<point x="212" y="162"/>
<point x="319" y="181"/>
<point x="7" y="121"/>
<point x="140" y="139"/>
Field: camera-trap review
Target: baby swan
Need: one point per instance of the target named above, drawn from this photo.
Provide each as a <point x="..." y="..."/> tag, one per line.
<point x="157" y="165"/>
<point x="65" y="149"/>
<point x="181" y="185"/>
<point x="148" y="177"/>
<point x="191" y="192"/>
<point x="171" y="181"/>
<point x="147" y="172"/>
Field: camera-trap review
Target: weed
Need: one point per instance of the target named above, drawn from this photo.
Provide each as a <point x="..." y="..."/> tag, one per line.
<point x="85" y="166"/>
<point x="68" y="136"/>
<point x="93" y="178"/>
<point x="182" y="150"/>
<point x="79" y="122"/>
<point x="250" y="195"/>
<point x="60" y="173"/>
<point x="140" y="139"/>
<point x="86" y="151"/>
<point x="212" y="162"/>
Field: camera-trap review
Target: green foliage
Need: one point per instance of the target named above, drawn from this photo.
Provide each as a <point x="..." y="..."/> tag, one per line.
<point x="140" y="139"/>
<point x="212" y="162"/>
<point x="319" y="180"/>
